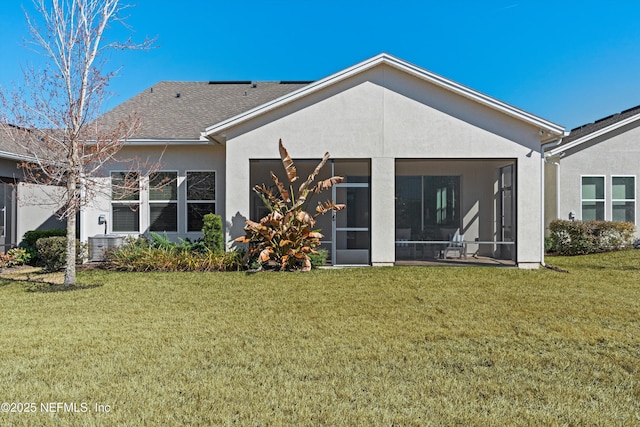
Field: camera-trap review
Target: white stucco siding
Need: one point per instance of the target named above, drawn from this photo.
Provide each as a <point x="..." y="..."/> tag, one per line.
<point x="347" y="122"/>
<point x="36" y="208"/>
<point x="383" y="114"/>
<point x="180" y="159"/>
<point x="615" y="154"/>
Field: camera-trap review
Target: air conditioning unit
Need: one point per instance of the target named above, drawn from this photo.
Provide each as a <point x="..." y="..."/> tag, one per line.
<point x="101" y="243"/>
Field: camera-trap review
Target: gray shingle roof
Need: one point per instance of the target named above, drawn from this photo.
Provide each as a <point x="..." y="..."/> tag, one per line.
<point x="602" y="123"/>
<point x="181" y="110"/>
<point x="8" y="148"/>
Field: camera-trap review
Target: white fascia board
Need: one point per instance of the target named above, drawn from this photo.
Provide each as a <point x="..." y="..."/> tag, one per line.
<point x="12" y="156"/>
<point x="562" y="148"/>
<point x="154" y="142"/>
<point x="544" y="125"/>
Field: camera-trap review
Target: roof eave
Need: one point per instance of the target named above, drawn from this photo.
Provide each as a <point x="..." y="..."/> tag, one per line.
<point x="18" y="157"/>
<point x="146" y="142"/>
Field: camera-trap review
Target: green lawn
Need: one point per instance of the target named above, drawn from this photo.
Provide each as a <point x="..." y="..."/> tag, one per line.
<point x="366" y="346"/>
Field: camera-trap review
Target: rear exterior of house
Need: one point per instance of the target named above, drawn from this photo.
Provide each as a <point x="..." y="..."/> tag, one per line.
<point x="424" y="159"/>
<point x="592" y="174"/>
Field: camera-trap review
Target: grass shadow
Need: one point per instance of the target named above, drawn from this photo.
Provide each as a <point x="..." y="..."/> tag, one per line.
<point x="56" y="287"/>
<point x="36" y="280"/>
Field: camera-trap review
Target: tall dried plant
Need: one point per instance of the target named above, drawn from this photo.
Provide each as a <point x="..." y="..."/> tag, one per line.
<point x="284" y="238"/>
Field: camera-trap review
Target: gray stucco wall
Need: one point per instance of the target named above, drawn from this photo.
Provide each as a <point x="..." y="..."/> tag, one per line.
<point x="614" y="154"/>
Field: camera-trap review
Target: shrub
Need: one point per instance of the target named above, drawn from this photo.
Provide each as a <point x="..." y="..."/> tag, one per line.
<point x="213" y="236"/>
<point x="585" y="237"/>
<point x="51" y="252"/>
<point x="31" y="237"/>
<point x="319" y="259"/>
<point x="17" y="256"/>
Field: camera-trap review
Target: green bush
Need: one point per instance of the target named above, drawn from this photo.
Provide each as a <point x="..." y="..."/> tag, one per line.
<point x="586" y="237"/>
<point x="213" y="235"/>
<point x="319" y="259"/>
<point x="52" y="252"/>
<point x="31" y="237"/>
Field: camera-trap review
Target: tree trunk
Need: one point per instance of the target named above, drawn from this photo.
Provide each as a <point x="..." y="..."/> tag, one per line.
<point x="70" y="268"/>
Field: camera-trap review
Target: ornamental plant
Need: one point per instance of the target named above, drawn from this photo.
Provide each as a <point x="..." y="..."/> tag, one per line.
<point x="286" y="236"/>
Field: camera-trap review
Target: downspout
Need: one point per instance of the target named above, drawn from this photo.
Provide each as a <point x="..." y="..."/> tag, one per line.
<point x="542" y="162"/>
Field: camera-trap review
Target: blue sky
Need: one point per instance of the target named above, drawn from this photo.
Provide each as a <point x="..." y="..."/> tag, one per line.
<point x="571" y="62"/>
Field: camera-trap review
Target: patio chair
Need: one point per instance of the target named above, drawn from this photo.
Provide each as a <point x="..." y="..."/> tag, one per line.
<point x="456" y="245"/>
<point x="404" y="249"/>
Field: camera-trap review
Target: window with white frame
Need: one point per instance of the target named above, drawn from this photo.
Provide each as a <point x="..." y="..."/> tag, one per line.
<point x="623" y="198"/>
<point x="592" y="198"/>
<point x="201" y="197"/>
<point x="163" y="201"/>
<point x="125" y="202"/>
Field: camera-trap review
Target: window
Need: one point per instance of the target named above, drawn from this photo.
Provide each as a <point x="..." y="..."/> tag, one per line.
<point x="623" y="198"/>
<point x="163" y="201"/>
<point x="125" y="202"/>
<point x="593" y="198"/>
<point x="428" y="203"/>
<point x="201" y="197"/>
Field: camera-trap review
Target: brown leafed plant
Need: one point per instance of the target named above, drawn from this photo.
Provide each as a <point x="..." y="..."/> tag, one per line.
<point x="284" y="238"/>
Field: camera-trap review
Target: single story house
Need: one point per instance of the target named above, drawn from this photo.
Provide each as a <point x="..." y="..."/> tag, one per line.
<point x="591" y="174"/>
<point x="425" y="160"/>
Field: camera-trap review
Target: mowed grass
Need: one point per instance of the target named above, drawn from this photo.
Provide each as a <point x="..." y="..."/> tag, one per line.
<point x="366" y="346"/>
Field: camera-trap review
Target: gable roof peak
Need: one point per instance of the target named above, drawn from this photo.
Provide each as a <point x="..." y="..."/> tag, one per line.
<point x="548" y="130"/>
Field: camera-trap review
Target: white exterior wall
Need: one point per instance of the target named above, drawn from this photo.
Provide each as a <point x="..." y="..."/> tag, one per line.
<point x="36" y="208"/>
<point x="178" y="159"/>
<point x="383" y="114"/>
<point x="614" y="154"/>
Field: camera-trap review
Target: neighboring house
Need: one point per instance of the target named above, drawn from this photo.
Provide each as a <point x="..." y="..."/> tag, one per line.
<point x="424" y="159"/>
<point x="592" y="174"/>
<point x="22" y="205"/>
<point x="10" y="175"/>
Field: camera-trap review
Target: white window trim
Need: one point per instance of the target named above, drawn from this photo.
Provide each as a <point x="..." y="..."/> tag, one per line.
<point x="635" y="189"/>
<point x="125" y="202"/>
<point x="176" y="201"/>
<point x="186" y="195"/>
<point x="604" y="199"/>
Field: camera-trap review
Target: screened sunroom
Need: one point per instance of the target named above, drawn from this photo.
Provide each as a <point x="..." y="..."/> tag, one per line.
<point x="454" y="209"/>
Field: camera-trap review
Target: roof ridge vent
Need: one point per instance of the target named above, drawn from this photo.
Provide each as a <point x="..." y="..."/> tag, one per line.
<point x="229" y="82"/>
<point x="637" y="107"/>
<point x="605" y="118"/>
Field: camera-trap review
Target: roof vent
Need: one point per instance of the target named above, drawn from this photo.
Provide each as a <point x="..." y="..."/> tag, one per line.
<point x="630" y="109"/>
<point x="178" y="95"/>
<point x="605" y="118"/>
<point x="229" y="82"/>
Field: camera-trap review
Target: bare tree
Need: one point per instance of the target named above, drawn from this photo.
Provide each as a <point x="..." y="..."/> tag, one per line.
<point x="52" y="115"/>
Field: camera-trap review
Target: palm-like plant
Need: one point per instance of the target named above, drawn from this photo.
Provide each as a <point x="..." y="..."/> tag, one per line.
<point x="284" y="238"/>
